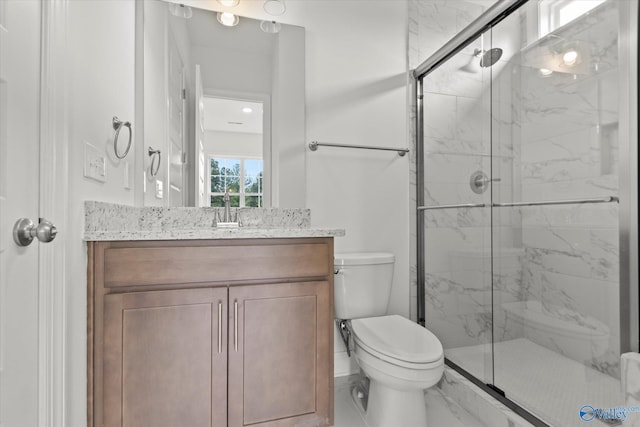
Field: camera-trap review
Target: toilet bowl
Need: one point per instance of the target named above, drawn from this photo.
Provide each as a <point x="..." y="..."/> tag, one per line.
<point x="400" y="358"/>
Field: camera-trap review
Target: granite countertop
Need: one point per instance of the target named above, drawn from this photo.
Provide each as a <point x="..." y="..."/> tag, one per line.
<point x="110" y="222"/>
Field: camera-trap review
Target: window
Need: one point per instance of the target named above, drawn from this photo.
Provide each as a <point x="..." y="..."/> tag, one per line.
<point x="556" y="13"/>
<point x="241" y="177"/>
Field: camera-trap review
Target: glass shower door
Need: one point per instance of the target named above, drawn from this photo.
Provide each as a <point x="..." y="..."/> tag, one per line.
<point x="457" y="215"/>
<point x="556" y="150"/>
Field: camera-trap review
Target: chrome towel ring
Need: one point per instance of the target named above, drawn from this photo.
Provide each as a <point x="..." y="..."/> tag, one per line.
<point x="155" y="165"/>
<point x="117" y="125"/>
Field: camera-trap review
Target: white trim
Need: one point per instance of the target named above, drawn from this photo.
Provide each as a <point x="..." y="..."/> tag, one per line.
<point x="242" y="194"/>
<point x="53" y="203"/>
<point x="139" y="174"/>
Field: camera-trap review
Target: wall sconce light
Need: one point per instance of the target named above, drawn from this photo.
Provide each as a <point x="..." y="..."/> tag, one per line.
<point x="270" y="27"/>
<point x="180" y="10"/>
<point x="229" y="3"/>
<point x="228" y="19"/>
<point x="274" y="7"/>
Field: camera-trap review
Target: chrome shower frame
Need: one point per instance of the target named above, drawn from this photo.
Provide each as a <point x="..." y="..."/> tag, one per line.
<point x="628" y="168"/>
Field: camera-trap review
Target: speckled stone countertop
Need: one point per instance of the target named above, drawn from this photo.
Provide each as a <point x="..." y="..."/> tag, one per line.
<point x="108" y="221"/>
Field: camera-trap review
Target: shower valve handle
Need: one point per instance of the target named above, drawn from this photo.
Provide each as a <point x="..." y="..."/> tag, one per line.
<point x="479" y="182"/>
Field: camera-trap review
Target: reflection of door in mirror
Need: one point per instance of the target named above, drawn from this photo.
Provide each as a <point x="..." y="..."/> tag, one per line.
<point x="176" y="97"/>
<point x="233" y="149"/>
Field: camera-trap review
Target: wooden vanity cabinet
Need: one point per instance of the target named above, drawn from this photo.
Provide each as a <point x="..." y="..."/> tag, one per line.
<point x="173" y="343"/>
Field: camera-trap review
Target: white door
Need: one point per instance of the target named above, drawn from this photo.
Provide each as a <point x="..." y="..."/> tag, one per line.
<point x="19" y="187"/>
<point x="201" y="163"/>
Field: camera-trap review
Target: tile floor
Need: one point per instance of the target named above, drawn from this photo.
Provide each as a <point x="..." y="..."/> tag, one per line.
<point x="544" y="381"/>
<point x="441" y="410"/>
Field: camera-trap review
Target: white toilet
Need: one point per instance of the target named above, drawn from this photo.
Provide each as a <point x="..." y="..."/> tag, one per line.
<point x="400" y="358"/>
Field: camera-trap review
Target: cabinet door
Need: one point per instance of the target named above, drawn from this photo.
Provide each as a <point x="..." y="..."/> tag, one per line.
<point x="280" y="354"/>
<point x="165" y="360"/>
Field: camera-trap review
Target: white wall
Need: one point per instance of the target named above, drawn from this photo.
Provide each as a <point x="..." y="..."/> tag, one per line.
<point x="232" y="144"/>
<point x="101" y="85"/>
<point x="288" y="119"/>
<point x="356" y="68"/>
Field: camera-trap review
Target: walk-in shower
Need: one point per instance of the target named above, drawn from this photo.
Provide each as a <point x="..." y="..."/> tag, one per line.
<point x="527" y="202"/>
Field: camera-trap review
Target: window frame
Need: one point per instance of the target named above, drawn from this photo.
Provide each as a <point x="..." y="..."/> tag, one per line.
<point x="242" y="194"/>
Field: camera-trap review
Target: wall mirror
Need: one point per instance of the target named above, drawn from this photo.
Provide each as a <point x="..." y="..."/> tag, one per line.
<point x="221" y="104"/>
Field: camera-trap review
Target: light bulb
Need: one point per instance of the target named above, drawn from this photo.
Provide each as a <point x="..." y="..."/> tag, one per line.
<point x="545" y="72"/>
<point x="228" y="19"/>
<point x="247" y="110"/>
<point x="570" y="57"/>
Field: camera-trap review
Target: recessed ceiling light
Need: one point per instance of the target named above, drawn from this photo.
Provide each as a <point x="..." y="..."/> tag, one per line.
<point x="247" y="110"/>
<point x="228" y="19"/>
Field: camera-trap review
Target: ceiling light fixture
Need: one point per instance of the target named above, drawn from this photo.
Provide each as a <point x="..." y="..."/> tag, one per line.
<point x="229" y="3"/>
<point x="570" y="57"/>
<point x="545" y="72"/>
<point x="274" y="7"/>
<point x="180" y="10"/>
<point x="228" y="19"/>
<point x="271" y="27"/>
<point x="247" y="110"/>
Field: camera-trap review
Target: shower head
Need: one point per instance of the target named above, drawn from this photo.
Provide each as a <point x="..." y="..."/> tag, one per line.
<point x="490" y="57"/>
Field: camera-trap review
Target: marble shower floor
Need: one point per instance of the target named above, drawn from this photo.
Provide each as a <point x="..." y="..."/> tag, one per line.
<point x="441" y="410"/>
<point x="546" y="383"/>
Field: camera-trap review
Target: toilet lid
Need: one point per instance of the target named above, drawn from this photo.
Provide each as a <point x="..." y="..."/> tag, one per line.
<point x="398" y="338"/>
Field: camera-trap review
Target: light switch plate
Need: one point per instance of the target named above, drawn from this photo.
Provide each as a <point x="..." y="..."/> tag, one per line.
<point x="95" y="163"/>
<point x="126" y="176"/>
<point x="159" y="189"/>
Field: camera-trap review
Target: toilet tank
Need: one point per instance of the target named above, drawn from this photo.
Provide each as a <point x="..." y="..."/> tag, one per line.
<point x="362" y="284"/>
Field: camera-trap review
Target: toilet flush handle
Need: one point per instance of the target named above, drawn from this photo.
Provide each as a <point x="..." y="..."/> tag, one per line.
<point x="345" y="333"/>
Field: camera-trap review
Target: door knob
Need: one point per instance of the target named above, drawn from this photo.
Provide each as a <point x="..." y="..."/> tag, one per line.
<point x="25" y="230"/>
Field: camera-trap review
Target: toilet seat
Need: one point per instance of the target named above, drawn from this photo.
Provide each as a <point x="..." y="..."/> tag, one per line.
<point x="399" y="341"/>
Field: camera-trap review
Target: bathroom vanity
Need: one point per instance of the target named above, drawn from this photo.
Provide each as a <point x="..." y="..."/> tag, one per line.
<point x="228" y="331"/>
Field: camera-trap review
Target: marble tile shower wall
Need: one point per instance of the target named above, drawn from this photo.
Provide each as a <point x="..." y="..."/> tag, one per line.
<point x="431" y="24"/>
<point x="554" y="138"/>
<point x="568" y="145"/>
